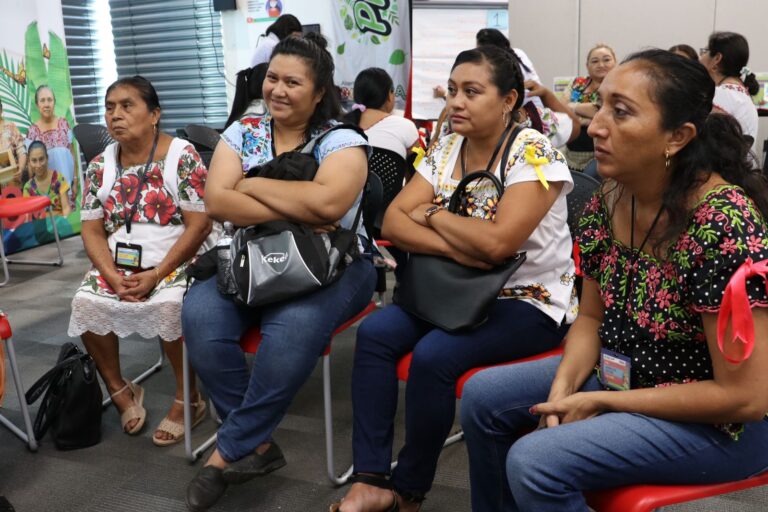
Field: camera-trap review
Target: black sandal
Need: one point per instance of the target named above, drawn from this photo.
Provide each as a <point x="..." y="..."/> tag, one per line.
<point x="411" y="497"/>
<point x="374" y="481"/>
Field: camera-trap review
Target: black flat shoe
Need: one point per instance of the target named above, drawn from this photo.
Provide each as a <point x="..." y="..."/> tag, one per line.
<point x="205" y="489"/>
<point x="254" y="465"/>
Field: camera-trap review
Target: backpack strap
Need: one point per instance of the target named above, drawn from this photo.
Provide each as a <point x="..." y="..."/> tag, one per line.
<point x="37" y="389"/>
<point x="110" y="173"/>
<point x="309" y="147"/>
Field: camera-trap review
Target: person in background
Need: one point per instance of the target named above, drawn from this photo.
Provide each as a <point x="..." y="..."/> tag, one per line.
<point x="56" y="134"/>
<point x="302" y="104"/>
<point x="685" y="50"/>
<point x="45" y="182"/>
<point x="137" y="281"/>
<point x="725" y="57"/>
<point x="285" y="26"/>
<point x="374" y="97"/>
<point x="249" y="99"/>
<point x="11" y="140"/>
<point x="581" y="96"/>
<point x="530" y="315"/>
<point x="667" y="244"/>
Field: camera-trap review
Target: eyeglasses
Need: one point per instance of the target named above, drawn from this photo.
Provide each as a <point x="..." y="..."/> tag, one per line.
<point x="702" y="51"/>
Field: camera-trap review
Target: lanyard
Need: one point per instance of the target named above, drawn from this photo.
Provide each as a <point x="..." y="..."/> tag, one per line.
<point x="632" y="261"/>
<point x="462" y="155"/>
<point x="142" y="180"/>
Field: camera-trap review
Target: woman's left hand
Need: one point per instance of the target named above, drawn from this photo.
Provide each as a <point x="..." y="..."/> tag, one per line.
<point x="417" y="215"/>
<point x="575" y="407"/>
<point x="139" y="285"/>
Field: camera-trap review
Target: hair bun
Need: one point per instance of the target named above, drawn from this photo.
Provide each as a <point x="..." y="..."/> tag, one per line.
<point x="317" y="38"/>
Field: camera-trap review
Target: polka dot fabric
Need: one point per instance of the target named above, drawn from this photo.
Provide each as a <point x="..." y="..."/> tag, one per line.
<point x="660" y="326"/>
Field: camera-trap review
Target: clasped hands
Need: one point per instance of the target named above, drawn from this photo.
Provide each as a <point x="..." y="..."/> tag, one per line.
<point x="569" y="409"/>
<point x="134" y="287"/>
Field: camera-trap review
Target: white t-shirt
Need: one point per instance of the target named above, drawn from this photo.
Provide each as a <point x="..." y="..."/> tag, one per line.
<point x="546" y="278"/>
<point x="394" y="133"/>
<point x="264" y="49"/>
<point x="529" y="75"/>
<point x="734" y="99"/>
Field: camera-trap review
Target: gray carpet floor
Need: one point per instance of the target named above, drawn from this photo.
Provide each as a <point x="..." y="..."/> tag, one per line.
<point x="128" y="474"/>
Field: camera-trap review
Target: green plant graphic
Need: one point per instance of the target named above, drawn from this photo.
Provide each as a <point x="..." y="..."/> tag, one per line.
<point x="55" y="75"/>
<point x="16" y="100"/>
<point x="368" y="22"/>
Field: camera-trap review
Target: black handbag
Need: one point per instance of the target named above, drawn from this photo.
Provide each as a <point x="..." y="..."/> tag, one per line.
<point x="445" y="293"/>
<point x="71" y="407"/>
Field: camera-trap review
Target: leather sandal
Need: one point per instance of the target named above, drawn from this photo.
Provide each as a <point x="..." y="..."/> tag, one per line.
<point x="176" y="429"/>
<point x="135" y="411"/>
<point x="374" y="481"/>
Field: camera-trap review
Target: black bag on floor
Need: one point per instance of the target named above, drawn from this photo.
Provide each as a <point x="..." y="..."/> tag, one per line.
<point x="71" y="406"/>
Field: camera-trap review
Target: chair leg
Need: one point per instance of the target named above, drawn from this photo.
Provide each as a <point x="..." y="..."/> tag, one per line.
<point x="192" y="453"/>
<point x="143" y="376"/>
<point x="56" y="263"/>
<point x="4" y="259"/>
<point x="342" y="478"/>
<point x="28" y="436"/>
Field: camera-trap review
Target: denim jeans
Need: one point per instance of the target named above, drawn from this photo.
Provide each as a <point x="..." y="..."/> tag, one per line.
<point x="294" y="335"/>
<point x="514" y="329"/>
<point x="548" y="469"/>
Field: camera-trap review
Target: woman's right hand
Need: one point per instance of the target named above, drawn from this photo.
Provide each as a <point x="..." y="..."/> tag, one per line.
<point x="117" y="282"/>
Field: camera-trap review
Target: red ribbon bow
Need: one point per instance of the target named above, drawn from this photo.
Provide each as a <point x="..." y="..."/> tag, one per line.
<point x="736" y="309"/>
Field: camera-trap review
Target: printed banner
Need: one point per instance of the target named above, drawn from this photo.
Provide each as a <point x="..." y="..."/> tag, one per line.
<point x="372" y="33"/>
<point x="33" y="59"/>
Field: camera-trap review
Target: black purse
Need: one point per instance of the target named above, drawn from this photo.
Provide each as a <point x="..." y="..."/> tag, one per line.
<point x="445" y="293"/>
<point x="71" y="407"/>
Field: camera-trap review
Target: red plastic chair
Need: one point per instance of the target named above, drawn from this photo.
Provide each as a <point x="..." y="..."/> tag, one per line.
<point x="250" y="342"/>
<point x="16" y="207"/>
<point x="26" y="435"/>
<point x="646" y="498"/>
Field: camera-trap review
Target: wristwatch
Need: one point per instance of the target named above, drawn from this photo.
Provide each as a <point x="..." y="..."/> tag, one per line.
<point x="432" y="210"/>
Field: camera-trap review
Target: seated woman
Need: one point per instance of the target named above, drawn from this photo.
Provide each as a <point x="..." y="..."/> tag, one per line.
<point x="45" y="182"/>
<point x="143" y="218"/>
<point x="582" y="99"/>
<point x="249" y="99"/>
<point x="374" y="96"/>
<point x="531" y="314"/>
<point x="726" y="57"/>
<point x="302" y="102"/>
<point x="11" y="140"/>
<point x="681" y="214"/>
<point x="56" y="134"/>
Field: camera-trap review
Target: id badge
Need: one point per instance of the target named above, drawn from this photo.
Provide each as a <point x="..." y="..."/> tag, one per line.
<point x="614" y="370"/>
<point x="128" y="255"/>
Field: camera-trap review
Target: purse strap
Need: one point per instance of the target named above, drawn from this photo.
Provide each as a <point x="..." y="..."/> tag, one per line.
<point x="461" y="188"/>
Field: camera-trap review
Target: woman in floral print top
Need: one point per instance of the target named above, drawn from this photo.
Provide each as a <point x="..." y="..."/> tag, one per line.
<point x="119" y="297"/>
<point x="673" y="249"/>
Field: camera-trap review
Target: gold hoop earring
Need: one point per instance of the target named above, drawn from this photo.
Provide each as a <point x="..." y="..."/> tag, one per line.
<point x="667" y="160"/>
<point x="154" y="128"/>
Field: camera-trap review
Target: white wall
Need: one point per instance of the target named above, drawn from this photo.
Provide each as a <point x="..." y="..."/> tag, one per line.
<point x="557" y="34"/>
<point x="240" y="37"/>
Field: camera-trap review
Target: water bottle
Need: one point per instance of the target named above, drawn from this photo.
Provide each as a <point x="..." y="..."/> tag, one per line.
<point x="225" y="281"/>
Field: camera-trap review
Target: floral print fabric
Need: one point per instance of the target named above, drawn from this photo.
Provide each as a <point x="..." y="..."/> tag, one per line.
<point x="58" y="184"/>
<point x="656" y="320"/>
<point x="156" y="203"/>
<point x="576" y="93"/>
<point x="59" y="137"/>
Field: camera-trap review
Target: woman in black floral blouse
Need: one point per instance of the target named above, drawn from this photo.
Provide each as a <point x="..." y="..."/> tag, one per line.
<point x="671" y="248"/>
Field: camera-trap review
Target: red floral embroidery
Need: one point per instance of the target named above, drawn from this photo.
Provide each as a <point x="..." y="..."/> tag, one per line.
<point x="728" y="246"/>
<point x="128" y="188"/>
<point x="157" y="203"/>
<point x="155" y="177"/>
<point x="198" y="181"/>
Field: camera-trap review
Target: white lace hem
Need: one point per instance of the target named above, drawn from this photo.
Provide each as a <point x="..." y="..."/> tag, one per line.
<point x="192" y="206"/>
<point x="96" y="214"/>
<point x="160" y="316"/>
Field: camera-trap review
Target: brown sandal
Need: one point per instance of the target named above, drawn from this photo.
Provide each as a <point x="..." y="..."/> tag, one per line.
<point x="374" y="481"/>
<point x="177" y="429"/>
<point x="135" y="411"/>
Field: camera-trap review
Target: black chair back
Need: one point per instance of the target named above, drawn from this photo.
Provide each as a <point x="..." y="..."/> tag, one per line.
<point x="204" y="138"/>
<point x="93" y="139"/>
<point x="390" y="168"/>
<point x="373" y="208"/>
<point x="583" y="188"/>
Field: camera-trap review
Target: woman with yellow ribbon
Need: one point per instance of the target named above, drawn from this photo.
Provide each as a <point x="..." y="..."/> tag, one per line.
<point x="533" y="310"/>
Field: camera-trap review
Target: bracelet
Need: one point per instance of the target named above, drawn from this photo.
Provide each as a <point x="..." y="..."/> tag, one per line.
<point x="157" y="273"/>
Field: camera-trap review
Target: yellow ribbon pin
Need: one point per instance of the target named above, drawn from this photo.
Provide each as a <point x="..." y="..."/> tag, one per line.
<point x="536" y="162"/>
<point x="419" y="156"/>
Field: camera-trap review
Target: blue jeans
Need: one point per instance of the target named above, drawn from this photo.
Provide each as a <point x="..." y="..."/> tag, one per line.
<point x="514" y="329"/>
<point x="294" y="335"/>
<point x="548" y="469"/>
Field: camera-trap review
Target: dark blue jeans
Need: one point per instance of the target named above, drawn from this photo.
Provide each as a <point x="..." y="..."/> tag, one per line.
<point x="294" y="335"/>
<point x="547" y="470"/>
<point x="515" y="329"/>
